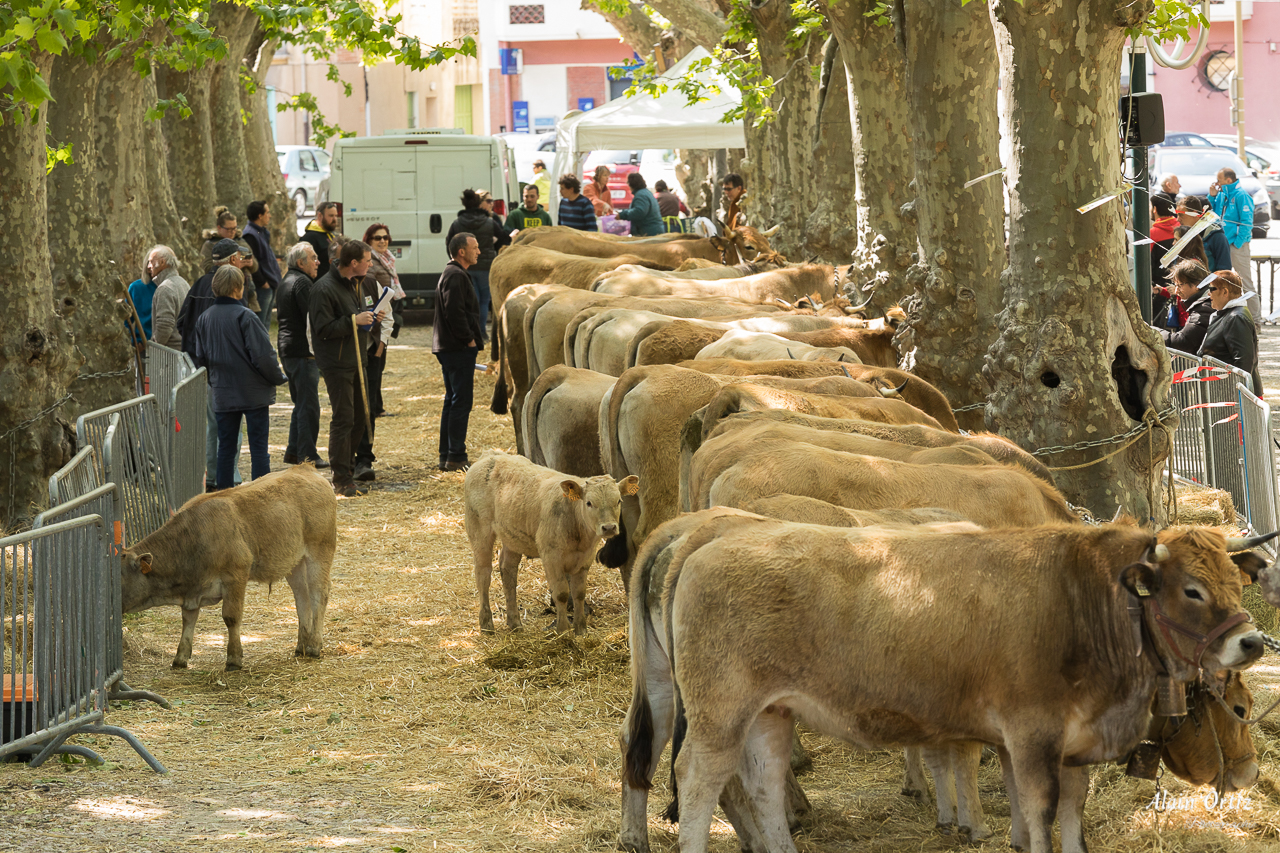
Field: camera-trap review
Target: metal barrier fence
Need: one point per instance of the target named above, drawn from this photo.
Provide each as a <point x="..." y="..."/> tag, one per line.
<point x="1224" y="438"/>
<point x="188" y="421"/>
<point x="54" y="585"/>
<point x="78" y="477"/>
<point x="165" y="369"/>
<point x="136" y="458"/>
<point x="105" y="502"/>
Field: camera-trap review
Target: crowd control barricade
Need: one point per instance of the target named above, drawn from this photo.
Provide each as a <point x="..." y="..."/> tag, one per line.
<point x="166" y="367"/>
<point x="78" y="477"/>
<point x="1223" y="433"/>
<point x="188" y="422"/>
<point x="105" y="502"/>
<point x="1259" y="456"/>
<point x="136" y="458"/>
<point x="1189" y="454"/>
<point x="53" y="606"/>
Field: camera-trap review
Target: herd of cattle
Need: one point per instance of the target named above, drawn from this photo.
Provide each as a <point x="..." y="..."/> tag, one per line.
<point x="804" y="531"/>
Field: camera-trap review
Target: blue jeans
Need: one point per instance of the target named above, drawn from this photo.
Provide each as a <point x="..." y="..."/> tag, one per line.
<point x="266" y="301"/>
<point x="257" y="424"/>
<point x="459" y="369"/>
<point x="211" y="450"/>
<point x="480" y="281"/>
<point x="304" y="423"/>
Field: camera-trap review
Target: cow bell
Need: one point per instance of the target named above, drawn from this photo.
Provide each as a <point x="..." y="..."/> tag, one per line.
<point x="1144" y="761"/>
<point x="1171" y="697"/>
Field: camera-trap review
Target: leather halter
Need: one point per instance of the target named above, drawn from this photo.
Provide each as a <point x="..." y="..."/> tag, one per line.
<point x="1202" y="640"/>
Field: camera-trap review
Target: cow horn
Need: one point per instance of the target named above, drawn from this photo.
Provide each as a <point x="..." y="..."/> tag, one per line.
<point x="893" y="392"/>
<point x="789" y="355"/>
<point x="841" y="358"/>
<point x="1119" y="512"/>
<point x="782" y="302"/>
<point x="771" y="231"/>
<point x="1246" y="543"/>
<point x="854" y="308"/>
<point x="1160" y="553"/>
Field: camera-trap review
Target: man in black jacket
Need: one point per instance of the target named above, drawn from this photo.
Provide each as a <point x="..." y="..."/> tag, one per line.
<point x="266" y="278"/>
<point x="320" y="232"/>
<point x="455" y="339"/>
<point x="292" y="300"/>
<point x="335" y="300"/>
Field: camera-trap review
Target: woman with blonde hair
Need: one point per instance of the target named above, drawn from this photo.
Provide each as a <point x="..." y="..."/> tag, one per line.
<point x="597" y="190"/>
<point x="1232" y="336"/>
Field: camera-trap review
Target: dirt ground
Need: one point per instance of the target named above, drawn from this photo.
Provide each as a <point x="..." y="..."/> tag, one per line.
<point x="415" y="733"/>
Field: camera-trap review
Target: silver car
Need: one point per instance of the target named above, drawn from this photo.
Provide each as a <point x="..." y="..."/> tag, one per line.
<point x="303" y="167"/>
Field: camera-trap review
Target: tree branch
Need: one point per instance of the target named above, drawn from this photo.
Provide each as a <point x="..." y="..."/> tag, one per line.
<point x="692" y="18"/>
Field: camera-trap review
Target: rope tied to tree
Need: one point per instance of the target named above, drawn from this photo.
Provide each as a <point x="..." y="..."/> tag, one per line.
<point x="1150" y="420"/>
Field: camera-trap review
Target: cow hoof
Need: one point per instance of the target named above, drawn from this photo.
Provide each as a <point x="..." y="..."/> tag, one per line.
<point x="944" y="828"/>
<point x="972" y="837"/>
<point x="912" y="793"/>
<point x="233" y="667"/>
<point x="486" y="629"/>
<point x="178" y="664"/>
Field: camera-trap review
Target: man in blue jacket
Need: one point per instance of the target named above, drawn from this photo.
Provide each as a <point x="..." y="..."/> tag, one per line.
<point x="1236" y="209"/>
<point x="644" y="214"/>
<point x="243" y="373"/>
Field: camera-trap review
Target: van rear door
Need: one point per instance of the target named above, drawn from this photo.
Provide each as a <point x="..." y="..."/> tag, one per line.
<point x="380" y="185"/>
<point x="444" y="171"/>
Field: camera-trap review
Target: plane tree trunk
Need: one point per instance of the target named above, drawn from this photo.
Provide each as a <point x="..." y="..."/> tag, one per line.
<point x="190" y="147"/>
<point x="86" y="285"/>
<point x="831" y="229"/>
<point x="236" y="24"/>
<point x="952" y="72"/>
<point x="38" y="360"/>
<point x="882" y="153"/>
<point x="265" y="177"/>
<point x="1074" y="362"/>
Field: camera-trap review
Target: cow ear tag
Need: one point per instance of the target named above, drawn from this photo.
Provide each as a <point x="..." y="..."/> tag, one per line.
<point x="571" y="490"/>
<point x="144" y="564"/>
<point x="1141" y="589"/>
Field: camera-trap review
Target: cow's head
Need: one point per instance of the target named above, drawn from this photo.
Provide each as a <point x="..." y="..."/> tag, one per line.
<point x="1192" y="588"/>
<point x="1189" y="745"/>
<point x="135" y="580"/>
<point x="598" y="501"/>
<point x="745" y="243"/>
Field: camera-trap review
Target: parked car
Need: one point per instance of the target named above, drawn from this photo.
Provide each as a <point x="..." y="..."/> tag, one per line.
<point x="527" y="147"/>
<point x="1197" y="168"/>
<point x="654" y="163"/>
<point x="1262" y="157"/>
<point x="303" y="167"/>
<point x="1187" y="140"/>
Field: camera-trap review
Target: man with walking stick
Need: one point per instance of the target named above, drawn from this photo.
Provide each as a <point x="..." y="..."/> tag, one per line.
<point x="340" y="327"/>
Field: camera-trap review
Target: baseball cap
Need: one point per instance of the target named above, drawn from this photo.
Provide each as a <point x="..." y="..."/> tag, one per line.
<point x="225" y="248"/>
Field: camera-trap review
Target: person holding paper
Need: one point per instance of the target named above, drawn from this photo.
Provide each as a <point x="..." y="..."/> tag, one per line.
<point x="1191" y="283"/>
<point x="1216" y="248"/>
<point x="336" y="310"/>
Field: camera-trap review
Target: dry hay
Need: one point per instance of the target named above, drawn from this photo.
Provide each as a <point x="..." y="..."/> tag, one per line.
<point x="417" y="732"/>
<point x="1204" y="505"/>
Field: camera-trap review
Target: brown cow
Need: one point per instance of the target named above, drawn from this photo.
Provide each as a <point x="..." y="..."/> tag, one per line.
<point x="916" y="391"/>
<point x="562" y="420"/>
<point x="536" y="512"/>
<point x="996" y="446"/>
<point x="508" y="350"/>
<point x="765" y="346"/>
<point x="789" y="283"/>
<point x="813" y="511"/>
<point x="529" y="264"/>
<point x="747" y="397"/>
<point x="867" y="645"/>
<point x="281" y="526"/>
<point x="993" y="496"/>
<point x="669" y="250"/>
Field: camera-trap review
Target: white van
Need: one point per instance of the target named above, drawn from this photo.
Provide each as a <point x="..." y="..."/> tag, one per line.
<point x="412" y="181"/>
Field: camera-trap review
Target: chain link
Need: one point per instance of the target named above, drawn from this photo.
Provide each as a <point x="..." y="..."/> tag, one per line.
<point x="1102" y="442"/>
<point x="969" y="408"/>
<point x="1271" y="643"/>
<point x="127" y="372"/>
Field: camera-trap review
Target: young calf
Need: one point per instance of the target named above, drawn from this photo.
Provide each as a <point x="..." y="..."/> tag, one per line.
<point x="537" y="512"/>
<point x="281" y="526"/>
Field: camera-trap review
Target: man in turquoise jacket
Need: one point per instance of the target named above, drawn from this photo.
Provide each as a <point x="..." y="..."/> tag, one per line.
<point x="643" y="214"/>
<point x="1236" y="209"/>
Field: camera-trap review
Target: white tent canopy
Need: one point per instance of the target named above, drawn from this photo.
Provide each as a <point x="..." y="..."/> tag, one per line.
<point x="667" y="121"/>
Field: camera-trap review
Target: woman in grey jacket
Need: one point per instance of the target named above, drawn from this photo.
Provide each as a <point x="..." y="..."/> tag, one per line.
<point x="233" y="344"/>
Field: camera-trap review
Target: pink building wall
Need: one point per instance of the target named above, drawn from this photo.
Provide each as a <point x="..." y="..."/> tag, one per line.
<point x="1190" y="104"/>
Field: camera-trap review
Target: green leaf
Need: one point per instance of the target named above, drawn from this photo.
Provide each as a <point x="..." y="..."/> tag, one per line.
<point x="51" y="41"/>
<point x="24" y="28"/>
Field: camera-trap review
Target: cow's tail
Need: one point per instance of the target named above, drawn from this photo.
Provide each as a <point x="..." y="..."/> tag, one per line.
<point x="690" y="441"/>
<point x="637" y="761"/>
<point x="611" y="447"/>
<point x="681" y="727"/>
<point x="633" y="346"/>
<point x="579" y="330"/>
<point x="529" y="423"/>
<point x="498" y="405"/>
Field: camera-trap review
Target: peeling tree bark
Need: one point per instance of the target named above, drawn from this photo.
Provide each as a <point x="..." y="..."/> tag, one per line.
<point x="1074" y="361"/>
<point x="265" y="178"/>
<point x="882" y="154"/>
<point x="696" y="20"/>
<point x="952" y="72"/>
<point x="236" y="24"/>
<point x="38" y="361"/>
<point x="84" y="284"/>
<point x="831" y="228"/>
<point x="782" y="186"/>
<point x="190" y="148"/>
<point x="166" y="223"/>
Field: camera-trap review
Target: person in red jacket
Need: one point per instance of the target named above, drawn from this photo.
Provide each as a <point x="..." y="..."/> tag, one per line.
<point x="1164" y="219"/>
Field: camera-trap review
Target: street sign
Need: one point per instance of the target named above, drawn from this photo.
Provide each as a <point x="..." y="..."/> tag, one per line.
<point x="511" y="60"/>
<point x="585" y="104"/>
<point x="520" y="116"/>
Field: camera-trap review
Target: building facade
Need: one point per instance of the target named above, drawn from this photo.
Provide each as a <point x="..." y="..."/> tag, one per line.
<point x="1197" y="99"/>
